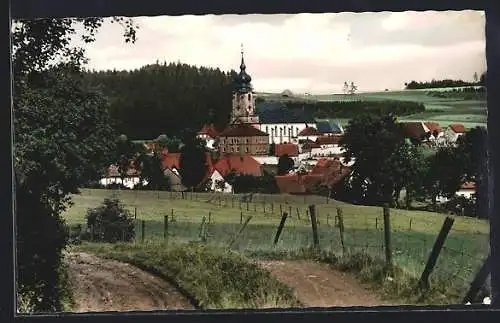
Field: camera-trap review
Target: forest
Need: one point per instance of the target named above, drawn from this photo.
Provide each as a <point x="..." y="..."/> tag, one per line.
<point x="165" y="98"/>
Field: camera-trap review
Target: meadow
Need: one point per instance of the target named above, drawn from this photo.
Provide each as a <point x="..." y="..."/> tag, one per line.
<point x="412" y="232"/>
<point x="445" y="111"/>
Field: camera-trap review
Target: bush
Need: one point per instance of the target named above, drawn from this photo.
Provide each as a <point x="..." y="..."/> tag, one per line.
<point x="110" y="222"/>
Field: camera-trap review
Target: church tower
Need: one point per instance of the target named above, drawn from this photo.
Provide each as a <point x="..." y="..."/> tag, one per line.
<point x="243" y="98"/>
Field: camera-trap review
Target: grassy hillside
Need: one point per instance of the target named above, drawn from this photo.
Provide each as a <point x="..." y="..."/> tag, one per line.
<point x="445" y="111"/>
<point x="413" y="233"/>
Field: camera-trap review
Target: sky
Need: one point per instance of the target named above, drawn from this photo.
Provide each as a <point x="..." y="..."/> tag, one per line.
<point x="314" y="53"/>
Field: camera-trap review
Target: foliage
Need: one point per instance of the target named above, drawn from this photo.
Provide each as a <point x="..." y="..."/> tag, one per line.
<point x="254" y="184"/>
<point x="110" y="222"/>
<point x="167" y="97"/>
<point x="351" y="109"/>
<point x="193" y="162"/>
<point x="152" y="172"/>
<point x="381" y="155"/>
<point x="214" y="278"/>
<point x="285" y="164"/>
<point x="413" y="85"/>
<point x="63" y="136"/>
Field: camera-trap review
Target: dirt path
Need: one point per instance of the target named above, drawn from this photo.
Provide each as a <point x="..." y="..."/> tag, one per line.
<point x="316" y="285"/>
<point x="107" y="285"/>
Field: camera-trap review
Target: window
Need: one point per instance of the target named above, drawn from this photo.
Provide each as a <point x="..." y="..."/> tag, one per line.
<point x="249" y="96"/>
<point x="267" y="131"/>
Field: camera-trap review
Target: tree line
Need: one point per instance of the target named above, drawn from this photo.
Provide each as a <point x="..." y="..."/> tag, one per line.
<point x="351" y="109"/>
<point x="165" y="98"/>
<point x="436" y="84"/>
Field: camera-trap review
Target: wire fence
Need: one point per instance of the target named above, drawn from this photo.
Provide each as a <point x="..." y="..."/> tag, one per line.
<point x="219" y="220"/>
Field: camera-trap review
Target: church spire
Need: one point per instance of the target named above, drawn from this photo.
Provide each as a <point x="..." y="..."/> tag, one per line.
<point x="242" y="66"/>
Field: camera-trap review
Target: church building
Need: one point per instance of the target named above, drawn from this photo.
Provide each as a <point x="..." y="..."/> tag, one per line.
<point x="243" y="135"/>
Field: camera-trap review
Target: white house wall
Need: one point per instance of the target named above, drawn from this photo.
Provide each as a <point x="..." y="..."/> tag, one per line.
<point x="266" y="160"/>
<point x="216" y="176"/>
<point x="273" y="130"/>
<point x="128" y="182"/>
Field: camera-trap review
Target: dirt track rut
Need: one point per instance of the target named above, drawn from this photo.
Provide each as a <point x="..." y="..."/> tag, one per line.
<point x="317" y="285"/>
<point x="102" y="285"/>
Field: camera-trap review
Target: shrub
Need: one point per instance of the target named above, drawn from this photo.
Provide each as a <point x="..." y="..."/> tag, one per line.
<point x="110" y="222"/>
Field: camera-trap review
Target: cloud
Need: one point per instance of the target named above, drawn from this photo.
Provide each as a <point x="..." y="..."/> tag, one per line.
<point x="308" y="52"/>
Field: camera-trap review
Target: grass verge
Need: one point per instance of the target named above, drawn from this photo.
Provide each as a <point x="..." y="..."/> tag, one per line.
<point x="213" y="278"/>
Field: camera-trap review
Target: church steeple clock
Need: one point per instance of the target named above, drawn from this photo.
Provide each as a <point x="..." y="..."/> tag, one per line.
<point x="243" y="97"/>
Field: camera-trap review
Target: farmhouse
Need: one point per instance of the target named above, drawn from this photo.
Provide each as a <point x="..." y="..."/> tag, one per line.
<point x="415" y="131"/>
<point x="453" y="131"/>
<point x="209" y="134"/>
<point x="239" y="164"/>
<point x="113" y="177"/>
<point x="467" y="190"/>
<point x="308" y="134"/>
<point x="434" y="129"/>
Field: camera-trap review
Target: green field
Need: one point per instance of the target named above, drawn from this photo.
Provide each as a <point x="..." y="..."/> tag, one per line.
<point x="470" y="113"/>
<point x="413" y="233"/>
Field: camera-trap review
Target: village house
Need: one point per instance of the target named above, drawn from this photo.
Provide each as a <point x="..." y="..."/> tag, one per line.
<point x="326" y="172"/>
<point x="129" y="180"/>
<point x="309" y="134"/>
<point x="434" y="129"/>
<point x="467" y="190"/>
<point x="231" y="163"/>
<point x="454" y="131"/>
<point x="209" y="134"/>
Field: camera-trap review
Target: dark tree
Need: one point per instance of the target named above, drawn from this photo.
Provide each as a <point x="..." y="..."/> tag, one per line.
<point x="193" y="163"/>
<point x="285" y="164"/>
<point x="382" y="158"/>
<point x="63" y="139"/>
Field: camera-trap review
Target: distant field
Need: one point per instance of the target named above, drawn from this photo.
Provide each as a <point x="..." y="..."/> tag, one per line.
<point x="413" y="233"/>
<point x="470" y="113"/>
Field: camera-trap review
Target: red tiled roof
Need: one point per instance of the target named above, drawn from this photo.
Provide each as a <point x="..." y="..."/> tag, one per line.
<point x="289" y="184"/>
<point x="328" y="140"/>
<point x="171" y="160"/>
<point x="433" y="126"/>
<point x="241" y="164"/>
<point x="457" y="128"/>
<point x="414" y="130"/>
<point x="209" y="130"/>
<point x="309" y="131"/>
<point x="329" y="172"/>
<point x="242" y="130"/>
<point x="291" y="150"/>
<point x="468" y="186"/>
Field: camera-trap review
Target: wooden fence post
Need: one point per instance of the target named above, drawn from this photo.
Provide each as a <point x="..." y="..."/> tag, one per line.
<point x="410" y="223"/>
<point x="281" y="209"/>
<point x="172" y="216"/>
<point x="280" y="228"/>
<point x="241" y="217"/>
<point x="376" y="223"/>
<point x="298" y="213"/>
<point x="387" y="237"/>
<point x="255" y="208"/>
<point x="264" y="207"/>
<point x="436" y="249"/>
<point x="143" y="230"/>
<point x="314" y="224"/>
<point x="478" y="281"/>
<point x="340" y="218"/>
<point x="135" y="213"/>
<point x="165" y="228"/>
<point x="248" y="206"/>
<point x="328" y="219"/>
<point x="232" y="201"/>
<point x="272" y="208"/>
<point x="233" y="240"/>
<point x="202" y="226"/>
<point x="209" y="217"/>
<point x="290" y="210"/>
